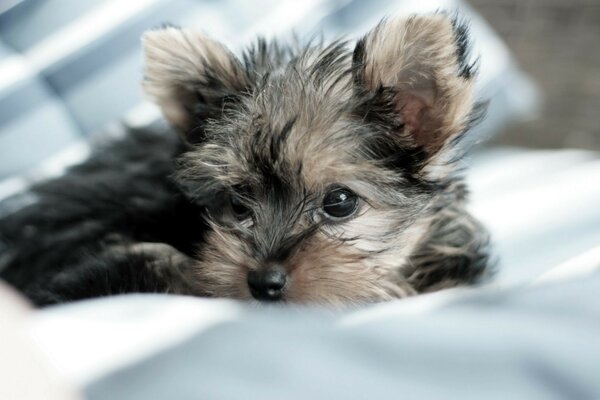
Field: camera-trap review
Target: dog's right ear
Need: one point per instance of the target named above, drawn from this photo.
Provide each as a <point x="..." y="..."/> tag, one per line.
<point x="191" y="77"/>
<point x="418" y="66"/>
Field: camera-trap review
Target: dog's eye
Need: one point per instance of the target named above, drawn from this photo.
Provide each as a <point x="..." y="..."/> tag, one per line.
<point x="340" y="203"/>
<point x="239" y="209"/>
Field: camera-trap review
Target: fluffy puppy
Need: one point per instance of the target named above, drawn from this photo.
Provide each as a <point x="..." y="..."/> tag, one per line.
<point x="324" y="174"/>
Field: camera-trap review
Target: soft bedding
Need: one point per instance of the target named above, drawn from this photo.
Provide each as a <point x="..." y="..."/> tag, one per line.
<point x="532" y="342"/>
<point x="531" y="333"/>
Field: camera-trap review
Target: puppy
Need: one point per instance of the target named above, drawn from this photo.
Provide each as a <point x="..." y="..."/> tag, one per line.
<point x="320" y="174"/>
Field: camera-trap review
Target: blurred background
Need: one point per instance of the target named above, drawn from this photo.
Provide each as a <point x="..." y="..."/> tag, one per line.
<point x="70" y="69"/>
<point x="557" y="43"/>
<point x="70" y="73"/>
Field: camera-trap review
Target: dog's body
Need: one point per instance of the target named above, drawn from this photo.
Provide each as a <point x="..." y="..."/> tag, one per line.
<point x="63" y="247"/>
<point x="316" y="174"/>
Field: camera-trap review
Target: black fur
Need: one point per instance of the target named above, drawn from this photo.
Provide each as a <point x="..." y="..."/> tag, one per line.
<point x="467" y="68"/>
<point x="122" y="194"/>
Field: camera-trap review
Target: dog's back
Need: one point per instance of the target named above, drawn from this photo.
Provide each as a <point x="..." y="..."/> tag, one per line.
<point x="122" y="194"/>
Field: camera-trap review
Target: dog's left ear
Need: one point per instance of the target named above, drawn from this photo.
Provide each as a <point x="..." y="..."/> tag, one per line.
<point x="190" y="77"/>
<point x="418" y="65"/>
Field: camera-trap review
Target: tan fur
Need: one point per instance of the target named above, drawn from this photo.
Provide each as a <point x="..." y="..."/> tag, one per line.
<point x="417" y="55"/>
<point x="176" y="62"/>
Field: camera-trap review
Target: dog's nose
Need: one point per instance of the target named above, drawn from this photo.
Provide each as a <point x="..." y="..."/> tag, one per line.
<point x="267" y="285"/>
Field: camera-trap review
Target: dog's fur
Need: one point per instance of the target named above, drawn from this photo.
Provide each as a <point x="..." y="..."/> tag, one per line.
<point x="276" y="130"/>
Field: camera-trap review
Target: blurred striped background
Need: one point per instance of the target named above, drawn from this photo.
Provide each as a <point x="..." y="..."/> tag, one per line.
<point x="70" y="69"/>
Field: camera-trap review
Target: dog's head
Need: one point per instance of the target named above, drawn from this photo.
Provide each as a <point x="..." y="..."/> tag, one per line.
<point x="322" y="167"/>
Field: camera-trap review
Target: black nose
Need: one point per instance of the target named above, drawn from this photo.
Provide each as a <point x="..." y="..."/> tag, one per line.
<point x="267" y="285"/>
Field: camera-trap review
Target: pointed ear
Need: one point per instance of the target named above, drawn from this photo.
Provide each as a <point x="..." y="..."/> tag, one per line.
<point x="190" y="77"/>
<point x="419" y="65"/>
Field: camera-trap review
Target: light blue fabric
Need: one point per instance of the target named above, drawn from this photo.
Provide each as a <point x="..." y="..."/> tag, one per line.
<point x="534" y="342"/>
<point x="83" y="70"/>
<point x="541" y="207"/>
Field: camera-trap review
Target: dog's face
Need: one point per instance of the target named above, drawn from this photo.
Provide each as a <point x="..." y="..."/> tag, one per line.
<point x="319" y="167"/>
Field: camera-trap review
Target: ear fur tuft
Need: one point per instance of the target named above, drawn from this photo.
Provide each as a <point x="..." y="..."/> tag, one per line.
<point x="422" y="61"/>
<point x="188" y="75"/>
